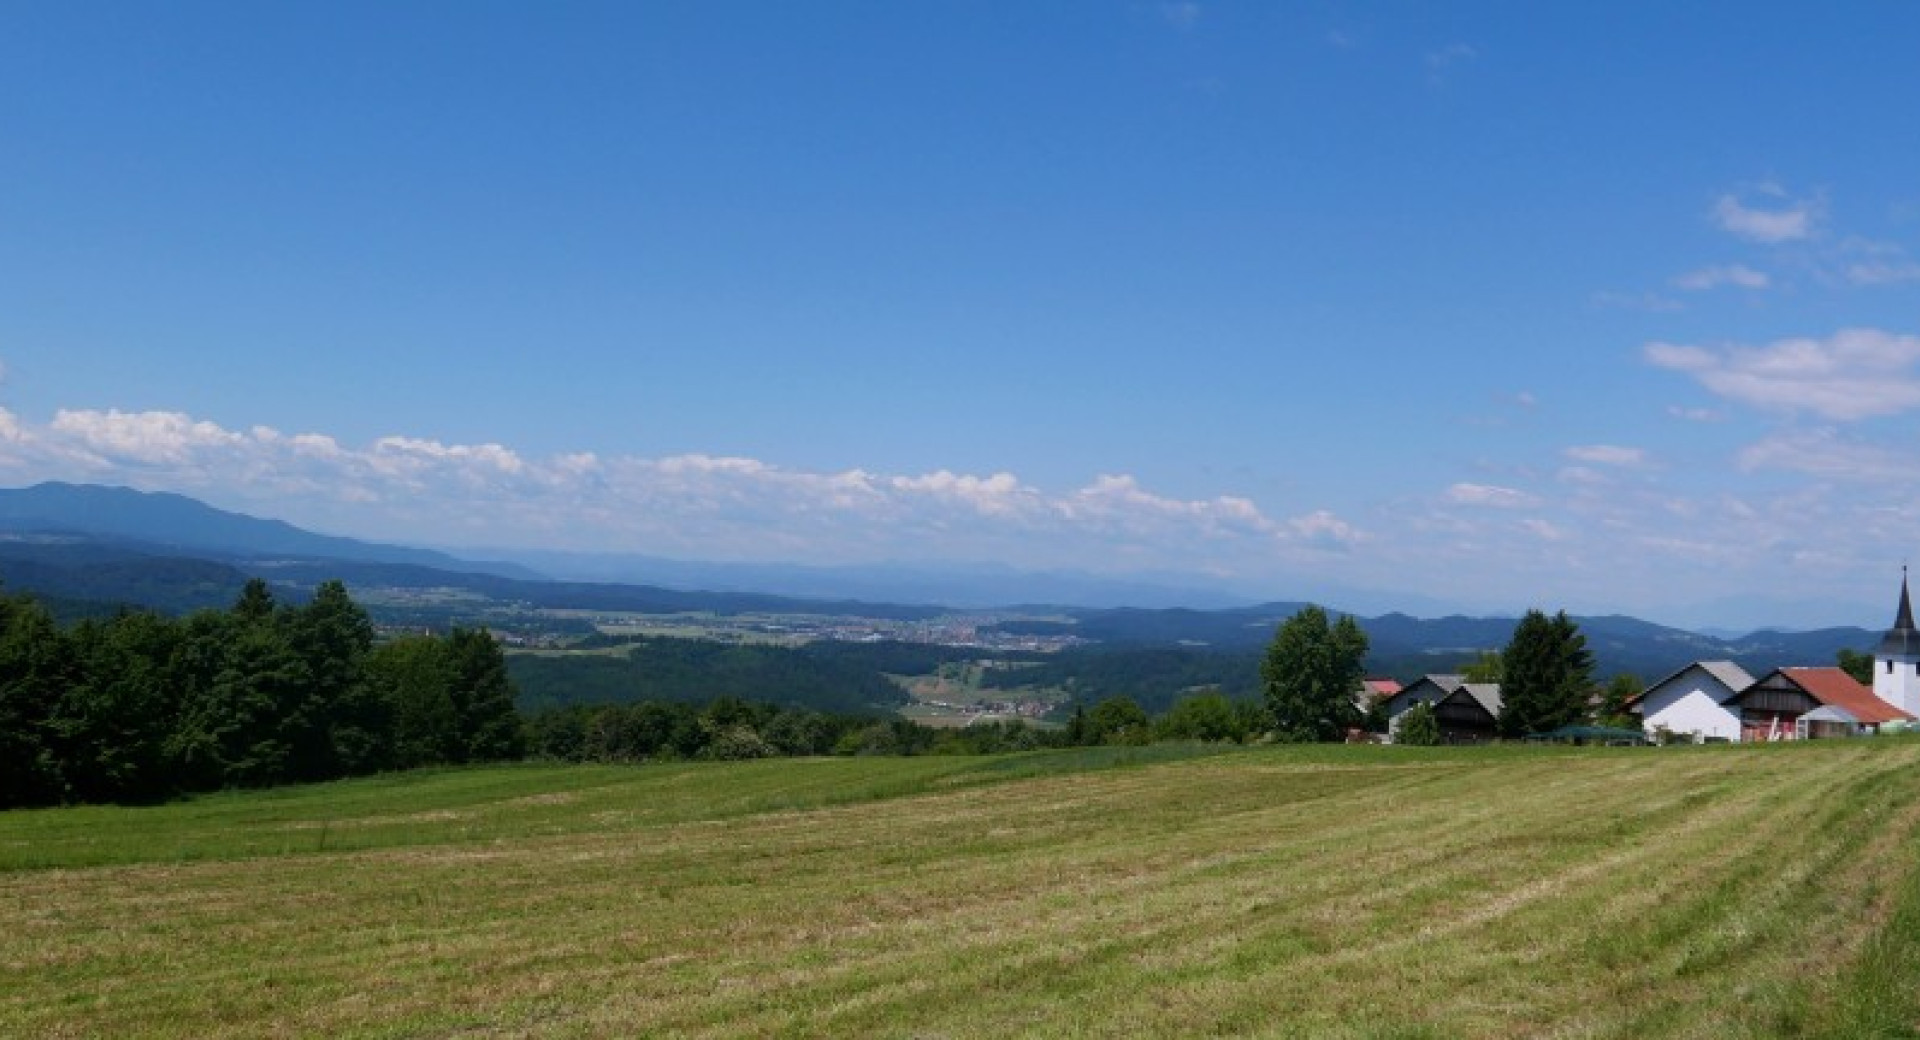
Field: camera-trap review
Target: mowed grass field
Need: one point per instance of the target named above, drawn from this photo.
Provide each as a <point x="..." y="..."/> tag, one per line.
<point x="1285" y="892"/>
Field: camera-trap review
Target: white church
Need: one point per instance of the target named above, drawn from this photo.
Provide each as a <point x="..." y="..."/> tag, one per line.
<point x="1719" y="701"/>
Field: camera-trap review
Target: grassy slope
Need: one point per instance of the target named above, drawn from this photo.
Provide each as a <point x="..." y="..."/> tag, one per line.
<point x="1346" y="892"/>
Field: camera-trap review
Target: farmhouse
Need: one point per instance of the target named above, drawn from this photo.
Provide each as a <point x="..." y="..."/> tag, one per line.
<point x="1468" y="713"/>
<point x="1694" y="701"/>
<point x="1810" y="702"/>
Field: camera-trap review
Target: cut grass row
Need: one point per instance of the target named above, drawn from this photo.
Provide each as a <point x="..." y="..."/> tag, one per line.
<point x="1344" y="892"/>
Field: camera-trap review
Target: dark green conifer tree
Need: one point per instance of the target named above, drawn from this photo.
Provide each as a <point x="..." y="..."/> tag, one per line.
<point x="1547" y="675"/>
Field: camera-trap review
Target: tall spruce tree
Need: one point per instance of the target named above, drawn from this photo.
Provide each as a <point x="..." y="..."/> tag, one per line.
<point x="482" y="693"/>
<point x="1546" y="675"/>
<point x="32" y="667"/>
<point x="1311" y="672"/>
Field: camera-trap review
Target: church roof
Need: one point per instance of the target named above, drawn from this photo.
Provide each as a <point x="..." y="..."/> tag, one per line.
<point x="1902" y="640"/>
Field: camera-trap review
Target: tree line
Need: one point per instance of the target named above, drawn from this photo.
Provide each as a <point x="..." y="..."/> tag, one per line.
<point x="730" y="728"/>
<point x="844" y="678"/>
<point x="140" y="707"/>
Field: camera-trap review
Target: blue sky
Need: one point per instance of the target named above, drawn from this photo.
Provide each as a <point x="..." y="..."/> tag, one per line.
<point x="1606" y="307"/>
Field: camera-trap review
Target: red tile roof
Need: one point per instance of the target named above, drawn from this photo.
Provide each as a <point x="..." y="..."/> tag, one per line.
<point x="1835" y="687"/>
<point x="1382" y="687"/>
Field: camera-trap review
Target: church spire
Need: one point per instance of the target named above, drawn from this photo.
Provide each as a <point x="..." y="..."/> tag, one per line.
<point x="1902" y="641"/>
<point x="1905" y="618"/>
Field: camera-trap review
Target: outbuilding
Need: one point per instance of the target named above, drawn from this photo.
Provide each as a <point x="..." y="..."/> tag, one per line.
<point x="1468" y="713"/>
<point x="1695" y="701"/>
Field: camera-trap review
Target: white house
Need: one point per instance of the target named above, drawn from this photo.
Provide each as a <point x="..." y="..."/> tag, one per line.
<point x="1694" y="700"/>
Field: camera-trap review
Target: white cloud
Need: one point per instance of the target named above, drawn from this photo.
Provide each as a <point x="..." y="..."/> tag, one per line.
<point x="143" y="437"/>
<point x="710" y="506"/>
<point x="1322" y="529"/>
<point x="1489" y="495"/>
<point x="1607" y="454"/>
<point x="1790" y="222"/>
<point x="1853" y="374"/>
<point x="1738" y="275"/>
<point x="1001" y="494"/>
<point x="708" y="464"/>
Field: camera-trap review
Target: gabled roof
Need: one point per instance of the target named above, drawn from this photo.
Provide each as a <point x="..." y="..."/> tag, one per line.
<point x="1443" y="687"/>
<point x="1487" y="694"/>
<point x="1726" y="673"/>
<point x="1446" y="683"/>
<point x="1834" y="687"/>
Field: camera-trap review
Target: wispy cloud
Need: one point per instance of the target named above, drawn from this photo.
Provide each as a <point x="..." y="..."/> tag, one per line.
<point x="1543" y="530"/>
<point x="1651" y="302"/>
<point x="1827" y="454"/>
<point x="1451" y="54"/>
<point x="1853" y="374"/>
<point x="1699" y="415"/>
<point x="1442" y="61"/>
<point x="1738" y="275"/>
<point x="1607" y="454"/>
<point x="1182" y="16"/>
<point x="1489" y="495"/>
<point x="1883" y="272"/>
<point x="1781" y="219"/>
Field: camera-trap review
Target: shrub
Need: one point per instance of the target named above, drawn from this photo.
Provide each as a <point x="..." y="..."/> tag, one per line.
<point x="1419" y="727"/>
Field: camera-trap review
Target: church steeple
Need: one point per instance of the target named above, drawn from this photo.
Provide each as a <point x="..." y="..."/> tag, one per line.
<point x="1905" y="618"/>
<point x="1896" y="661"/>
<point x="1902" y="640"/>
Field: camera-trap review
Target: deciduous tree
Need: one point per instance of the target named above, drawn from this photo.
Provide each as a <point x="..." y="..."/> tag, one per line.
<point x="1311" y="672"/>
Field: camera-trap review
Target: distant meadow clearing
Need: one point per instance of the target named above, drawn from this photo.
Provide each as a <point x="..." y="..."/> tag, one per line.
<point x="1167" y="891"/>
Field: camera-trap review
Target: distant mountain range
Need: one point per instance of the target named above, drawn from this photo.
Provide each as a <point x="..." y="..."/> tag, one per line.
<point x="1404" y="645"/>
<point x="970" y="586"/>
<point x="186" y="526"/>
<point x="80" y="543"/>
<point x="84" y="544"/>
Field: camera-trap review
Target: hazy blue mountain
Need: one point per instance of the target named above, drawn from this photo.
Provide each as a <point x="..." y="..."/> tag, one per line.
<point x="178" y="523"/>
<point x="970" y="587"/>
<point x="1407" y="646"/>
